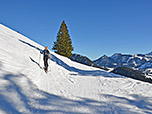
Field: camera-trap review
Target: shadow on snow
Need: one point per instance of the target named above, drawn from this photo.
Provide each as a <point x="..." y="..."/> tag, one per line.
<point x="73" y="69"/>
<point x="83" y="72"/>
<point x="35" y="62"/>
<point x="28" y="99"/>
<point x="30" y="45"/>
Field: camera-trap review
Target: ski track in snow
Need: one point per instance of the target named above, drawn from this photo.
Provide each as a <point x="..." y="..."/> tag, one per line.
<point x="68" y="87"/>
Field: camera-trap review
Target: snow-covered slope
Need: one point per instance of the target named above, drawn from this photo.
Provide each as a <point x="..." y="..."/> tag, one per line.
<point x="68" y="88"/>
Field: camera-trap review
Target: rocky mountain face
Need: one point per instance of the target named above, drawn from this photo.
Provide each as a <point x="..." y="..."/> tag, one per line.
<point x="84" y="60"/>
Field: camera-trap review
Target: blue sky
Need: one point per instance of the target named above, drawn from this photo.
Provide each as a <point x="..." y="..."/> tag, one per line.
<point x="96" y="27"/>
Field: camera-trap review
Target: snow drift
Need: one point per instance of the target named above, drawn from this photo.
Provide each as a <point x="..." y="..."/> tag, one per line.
<point x="68" y="88"/>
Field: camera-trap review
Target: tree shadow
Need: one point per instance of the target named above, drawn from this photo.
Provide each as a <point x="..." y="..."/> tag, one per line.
<point x="29" y="98"/>
<point x="18" y="95"/>
<point x="141" y="102"/>
<point x="83" y="72"/>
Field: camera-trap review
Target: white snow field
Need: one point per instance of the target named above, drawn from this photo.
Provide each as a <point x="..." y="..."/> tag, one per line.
<point x="68" y="88"/>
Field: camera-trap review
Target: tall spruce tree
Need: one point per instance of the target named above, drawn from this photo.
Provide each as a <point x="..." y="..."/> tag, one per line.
<point x="63" y="45"/>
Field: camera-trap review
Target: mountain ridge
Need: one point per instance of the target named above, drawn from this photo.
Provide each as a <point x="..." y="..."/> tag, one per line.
<point x="136" y="61"/>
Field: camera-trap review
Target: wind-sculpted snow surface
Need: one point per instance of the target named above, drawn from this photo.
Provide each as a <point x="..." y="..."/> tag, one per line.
<point x="68" y="88"/>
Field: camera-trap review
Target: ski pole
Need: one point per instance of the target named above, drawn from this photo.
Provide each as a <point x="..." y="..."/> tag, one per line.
<point x="49" y="59"/>
<point x="39" y="58"/>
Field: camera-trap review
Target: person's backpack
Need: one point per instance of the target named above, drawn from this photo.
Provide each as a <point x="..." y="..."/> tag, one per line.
<point x="47" y="53"/>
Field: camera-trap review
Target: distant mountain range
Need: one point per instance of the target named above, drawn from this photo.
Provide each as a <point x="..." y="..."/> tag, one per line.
<point x="138" y="62"/>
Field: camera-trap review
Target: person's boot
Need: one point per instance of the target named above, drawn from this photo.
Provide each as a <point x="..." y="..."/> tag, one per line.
<point x="46" y="69"/>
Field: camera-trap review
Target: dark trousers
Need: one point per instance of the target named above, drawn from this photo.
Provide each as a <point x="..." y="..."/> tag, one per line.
<point x="45" y="62"/>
